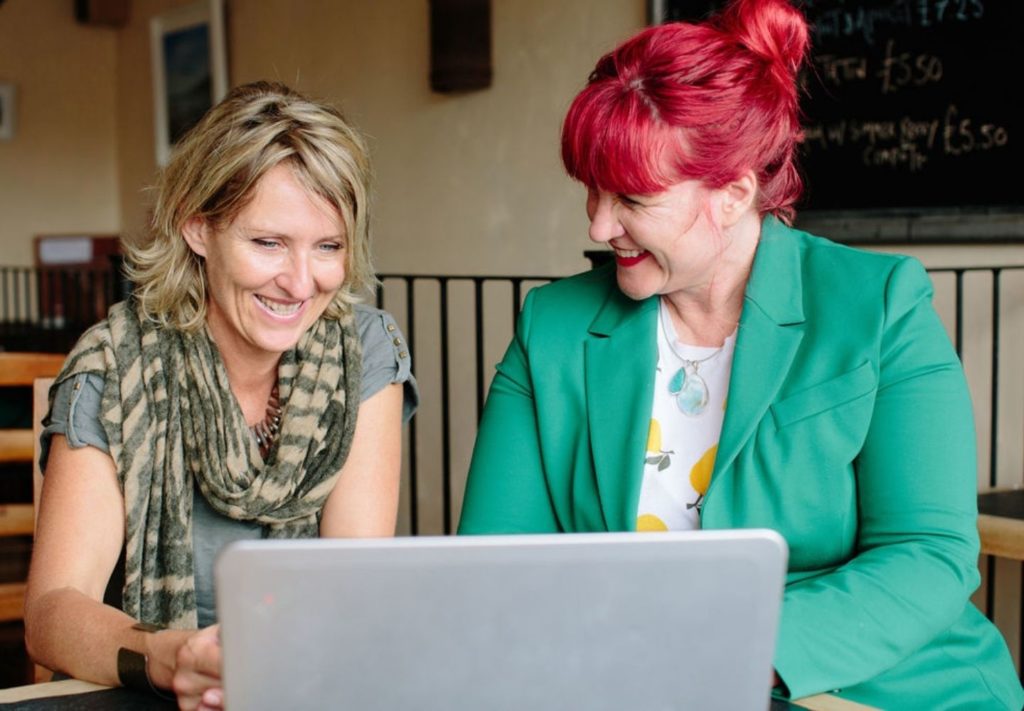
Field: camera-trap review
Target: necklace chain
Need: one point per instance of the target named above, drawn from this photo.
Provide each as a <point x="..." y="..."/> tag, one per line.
<point x="670" y="338"/>
<point x="689" y="389"/>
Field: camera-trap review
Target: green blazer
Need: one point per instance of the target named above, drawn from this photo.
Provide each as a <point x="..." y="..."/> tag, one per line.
<point x="848" y="430"/>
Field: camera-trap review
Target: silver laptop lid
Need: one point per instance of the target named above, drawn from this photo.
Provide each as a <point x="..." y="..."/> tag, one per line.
<point x="588" y="621"/>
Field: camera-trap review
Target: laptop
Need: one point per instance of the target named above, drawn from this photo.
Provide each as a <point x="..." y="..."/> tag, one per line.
<point x="571" y="621"/>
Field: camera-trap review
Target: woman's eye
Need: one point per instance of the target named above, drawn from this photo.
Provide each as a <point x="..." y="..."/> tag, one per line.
<point x="629" y="201"/>
<point x="266" y="243"/>
<point x="331" y="247"/>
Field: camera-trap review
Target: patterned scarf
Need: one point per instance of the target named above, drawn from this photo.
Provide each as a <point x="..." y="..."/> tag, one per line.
<point x="171" y="419"/>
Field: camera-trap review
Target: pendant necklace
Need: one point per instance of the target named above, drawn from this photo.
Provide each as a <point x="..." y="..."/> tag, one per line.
<point x="266" y="429"/>
<point x="687" y="386"/>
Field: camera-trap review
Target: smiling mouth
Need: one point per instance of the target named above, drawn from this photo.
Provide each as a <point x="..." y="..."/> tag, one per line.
<point x="279" y="308"/>
<point x="629" y="257"/>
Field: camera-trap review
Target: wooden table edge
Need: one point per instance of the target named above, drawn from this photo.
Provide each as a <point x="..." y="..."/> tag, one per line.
<point x="818" y="702"/>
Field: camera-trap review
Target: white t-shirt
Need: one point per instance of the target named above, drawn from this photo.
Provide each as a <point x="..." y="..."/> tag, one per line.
<point x="683" y="438"/>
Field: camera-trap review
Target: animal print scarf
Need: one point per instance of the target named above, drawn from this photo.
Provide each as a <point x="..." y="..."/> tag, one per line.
<point x="171" y="419"/>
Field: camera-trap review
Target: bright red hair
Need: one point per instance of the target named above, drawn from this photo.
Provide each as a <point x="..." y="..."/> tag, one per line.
<point x="708" y="101"/>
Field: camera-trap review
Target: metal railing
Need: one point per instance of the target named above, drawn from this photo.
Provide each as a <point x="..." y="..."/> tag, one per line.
<point x="398" y="294"/>
<point x="46" y="309"/>
<point x="457" y="327"/>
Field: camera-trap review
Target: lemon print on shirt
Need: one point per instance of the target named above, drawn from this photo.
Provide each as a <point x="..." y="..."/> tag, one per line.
<point x="655" y="455"/>
<point x="654" y="436"/>
<point x="649" y="523"/>
<point x="700" y="475"/>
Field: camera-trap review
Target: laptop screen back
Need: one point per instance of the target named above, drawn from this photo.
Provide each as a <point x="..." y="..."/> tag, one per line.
<point x="594" y="621"/>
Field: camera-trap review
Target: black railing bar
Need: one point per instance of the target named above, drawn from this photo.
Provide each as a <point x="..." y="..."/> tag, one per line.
<point x="109" y="288"/>
<point x="71" y="300"/>
<point x="472" y="277"/>
<point x="478" y="313"/>
<point x="27" y="293"/>
<point x="85" y="305"/>
<point x="555" y="277"/>
<point x="959" y="336"/>
<point x="63" y="319"/>
<point x="990" y="590"/>
<point x="88" y="289"/>
<point x="517" y="298"/>
<point x="55" y="308"/>
<point x="10" y="286"/>
<point x="3" y="290"/>
<point x="994" y="434"/>
<point x="16" y="297"/>
<point x="48" y="296"/>
<point x="1008" y="267"/>
<point x="410" y="339"/>
<point x="446" y="445"/>
<point x="80" y="303"/>
<point x="99" y="291"/>
<point x="33" y="298"/>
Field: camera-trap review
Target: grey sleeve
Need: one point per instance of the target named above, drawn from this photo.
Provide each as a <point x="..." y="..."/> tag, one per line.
<point x="386" y="357"/>
<point x="75" y="413"/>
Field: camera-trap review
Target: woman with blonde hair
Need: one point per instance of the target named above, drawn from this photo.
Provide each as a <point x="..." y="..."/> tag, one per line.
<point x="241" y="392"/>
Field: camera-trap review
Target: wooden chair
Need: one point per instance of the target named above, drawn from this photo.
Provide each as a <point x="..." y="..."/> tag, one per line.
<point x="1001" y="523"/>
<point x="40" y="404"/>
<point x="18" y="445"/>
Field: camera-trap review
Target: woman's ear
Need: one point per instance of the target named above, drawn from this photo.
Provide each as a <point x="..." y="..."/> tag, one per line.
<point x="196" y="232"/>
<point x="737" y="198"/>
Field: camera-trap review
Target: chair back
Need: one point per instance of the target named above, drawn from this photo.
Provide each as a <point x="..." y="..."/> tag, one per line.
<point x="20" y="369"/>
<point x="19" y="446"/>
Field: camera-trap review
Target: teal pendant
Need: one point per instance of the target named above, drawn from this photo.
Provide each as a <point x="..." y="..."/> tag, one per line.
<point x="690" y="390"/>
<point x="676" y="384"/>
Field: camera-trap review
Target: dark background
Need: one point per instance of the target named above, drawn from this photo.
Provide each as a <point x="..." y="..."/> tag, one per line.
<point x="908" y="103"/>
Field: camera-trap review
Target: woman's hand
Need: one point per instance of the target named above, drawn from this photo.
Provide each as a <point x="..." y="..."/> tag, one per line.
<point x="197" y="671"/>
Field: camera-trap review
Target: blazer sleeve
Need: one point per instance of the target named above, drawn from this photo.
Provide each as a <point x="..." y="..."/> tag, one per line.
<point x="916" y="559"/>
<point x="507" y="491"/>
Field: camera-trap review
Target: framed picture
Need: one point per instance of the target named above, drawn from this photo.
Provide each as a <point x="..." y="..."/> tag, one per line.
<point x="6" y="111"/>
<point x="189" y="69"/>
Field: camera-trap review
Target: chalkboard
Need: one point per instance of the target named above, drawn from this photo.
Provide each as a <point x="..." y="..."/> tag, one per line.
<point x="909" y="103"/>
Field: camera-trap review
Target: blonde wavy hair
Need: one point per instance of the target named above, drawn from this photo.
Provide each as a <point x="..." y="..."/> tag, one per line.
<point x="213" y="174"/>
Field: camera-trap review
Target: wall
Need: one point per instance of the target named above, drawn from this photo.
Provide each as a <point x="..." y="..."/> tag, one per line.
<point x="58" y="174"/>
<point x="465" y="183"/>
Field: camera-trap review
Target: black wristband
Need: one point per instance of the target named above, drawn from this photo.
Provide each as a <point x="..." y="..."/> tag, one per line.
<point x="132" y="671"/>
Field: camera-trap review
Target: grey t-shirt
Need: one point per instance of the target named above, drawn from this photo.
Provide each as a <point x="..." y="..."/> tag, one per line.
<point x="76" y="415"/>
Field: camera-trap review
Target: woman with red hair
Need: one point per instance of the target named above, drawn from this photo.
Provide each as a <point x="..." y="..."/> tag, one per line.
<point x="729" y="371"/>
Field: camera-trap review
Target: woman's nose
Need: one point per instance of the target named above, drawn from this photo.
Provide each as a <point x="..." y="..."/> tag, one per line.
<point x="297" y="278"/>
<point x="604" y="225"/>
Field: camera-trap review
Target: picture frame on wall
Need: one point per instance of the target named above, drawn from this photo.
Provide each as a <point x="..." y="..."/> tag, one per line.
<point x="7" y="111"/>
<point x="190" y="71"/>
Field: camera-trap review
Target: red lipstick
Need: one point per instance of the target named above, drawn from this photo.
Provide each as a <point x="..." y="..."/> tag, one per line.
<point x="631" y="261"/>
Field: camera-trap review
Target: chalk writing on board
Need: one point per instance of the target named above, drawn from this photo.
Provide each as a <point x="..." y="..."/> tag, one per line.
<point x="907" y="104"/>
<point x="896" y="69"/>
<point x="908" y="142"/>
<point x="869" y="23"/>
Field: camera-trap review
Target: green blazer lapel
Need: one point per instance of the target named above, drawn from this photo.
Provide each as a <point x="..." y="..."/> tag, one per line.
<point x="619" y="362"/>
<point x="770" y="331"/>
